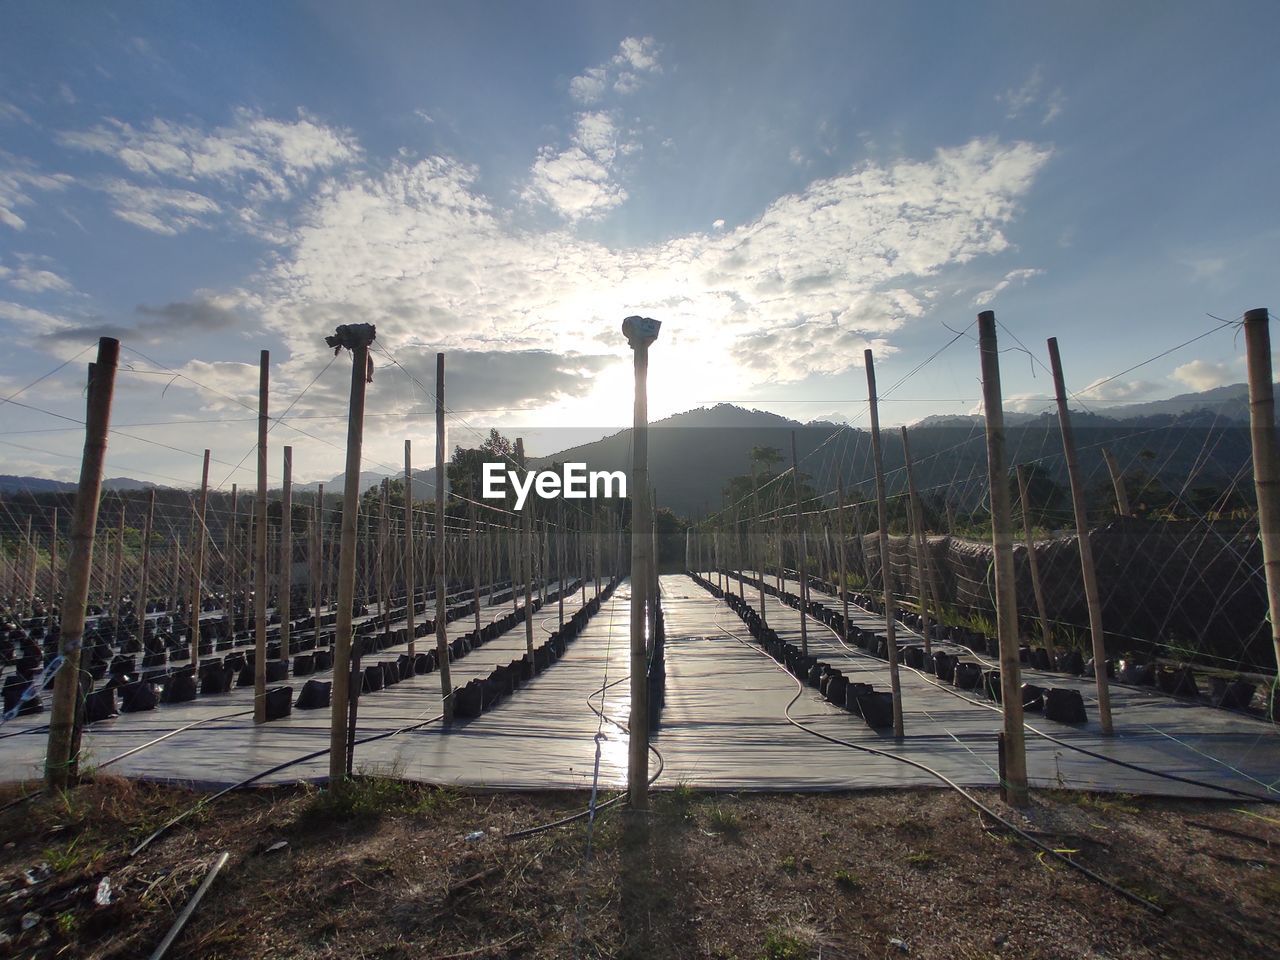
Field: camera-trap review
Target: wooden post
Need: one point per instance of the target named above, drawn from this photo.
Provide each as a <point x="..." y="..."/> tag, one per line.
<point x="410" y="580"/>
<point x="640" y="333"/>
<point x="842" y="564"/>
<point x="231" y="574"/>
<point x="260" y="548"/>
<point x="442" y="634"/>
<point x="760" y="539"/>
<point x="476" y="573"/>
<point x="1266" y="461"/>
<point x="197" y="565"/>
<point x="61" y="759"/>
<point x="117" y="567"/>
<point x="317" y="562"/>
<point x="801" y="550"/>
<point x="922" y="546"/>
<point x="1046" y="631"/>
<point x="175" y="574"/>
<point x="560" y="582"/>
<point x="1088" y="574"/>
<point x="144" y="580"/>
<point x="53" y="558"/>
<point x="286" y="555"/>
<point x="890" y="624"/>
<point x="1117" y="481"/>
<point x="384" y="577"/>
<point x="1015" y="751"/>
<point x="356" y="338"/>
<point x="526" y="561"/>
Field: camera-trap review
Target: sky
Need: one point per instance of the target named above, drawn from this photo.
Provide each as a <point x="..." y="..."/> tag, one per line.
<point x="782" y="185"/>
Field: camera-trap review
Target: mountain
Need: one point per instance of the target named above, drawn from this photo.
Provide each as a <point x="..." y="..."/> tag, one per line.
<point x="11" y="484"/>
<point x="693" y="454"/>
<point x="1228" y="403"/>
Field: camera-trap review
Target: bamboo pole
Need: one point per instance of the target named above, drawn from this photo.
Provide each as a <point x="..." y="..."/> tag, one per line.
<point x="1117" y="483"/>
<point x="144" y="580"/>
<point x="477" y="574"/>
<point x="61" y="759"/>
<point x="197" y="565"/>
<point x="53" y="558"/>
<point x="410" y="574"/>
<point x="1015" y="752"/>
<point x="640" y="333"/>
<point x="231" y="573"/>
<point x="175" y="574"/>
<point x="922" y="548"/>
<point x="1087" y="571"/>
<point x="1037" y="587"/>
<point x="1266" y="461"/>
<point x="384" y="579"/>
<point x="800" y="552"/>
<point x="117" y="566"/>
<point x="313" y="562"/>
<point x="841" y="563"/>
<point x="759" y="540"/>
<point x="882" y="504"/>
<point x="356" y="338"/>
<point x="526" y="561"/>
<point x="560" y="581"/>
<point x="286" y="556"/>
<point x="260" y="548"/>
<point x="442" y="635"/>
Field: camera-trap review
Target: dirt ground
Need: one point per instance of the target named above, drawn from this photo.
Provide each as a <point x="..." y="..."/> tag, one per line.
<point x="385" y="869"/>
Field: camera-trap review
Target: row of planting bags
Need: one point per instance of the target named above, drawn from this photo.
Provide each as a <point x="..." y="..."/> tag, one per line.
<point x="220" y="675"/>
<point x="484" y="693"/>
<point x="1178" y="681"/>
<point x="1056" y="703"/>
<point x="873" y="706"/>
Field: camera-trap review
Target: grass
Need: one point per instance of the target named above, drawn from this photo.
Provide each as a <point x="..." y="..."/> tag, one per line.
<point x="846" y="882"/>
<point x="724" y="822"/>
<point x="921" y="859"/>
<point x="784" y="945"/>
<point x="74" y="857"/>
<point x="365" y="799"/>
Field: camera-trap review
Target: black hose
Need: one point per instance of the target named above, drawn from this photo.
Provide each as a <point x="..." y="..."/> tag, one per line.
<point x="1012" y="828"/>
<point x="1204" y="785"/>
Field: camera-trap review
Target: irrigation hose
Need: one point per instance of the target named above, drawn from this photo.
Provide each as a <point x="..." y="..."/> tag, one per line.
<point x="1241" y="794"/>
<point x="205" y="801"/>
<point x="1012" y="828"/>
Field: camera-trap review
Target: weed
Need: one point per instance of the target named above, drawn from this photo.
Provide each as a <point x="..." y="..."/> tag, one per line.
<point x="923" y="859"/>
<point x="789" y="864"/>
<point x="847" y="882"/>
<point x="72" y="857"/>
<point x="782" y="945"/>
<point x="67" y="924"/>
<point x="725" y="822"/>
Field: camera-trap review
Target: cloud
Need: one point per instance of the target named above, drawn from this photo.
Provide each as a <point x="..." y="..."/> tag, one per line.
<point x="263" y="155"/>
<point x="1118" y="391"/>
<point x="498" y="380"/>
<point x="18" y="181"/>
<point x="1032" y="94"/>
<point x="253" y="161"/>
<point x="158" y="324"/>
<point x="1012" y="277"/>
<point x="818" y="275"/>
<point x="622" y="73"/>
<point x="33" y="279"/>
<point x="590" y="86"/>
<point x="1202" y="375"/>
<point x="577" y="182"/>
<point x="161" y="210"/>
